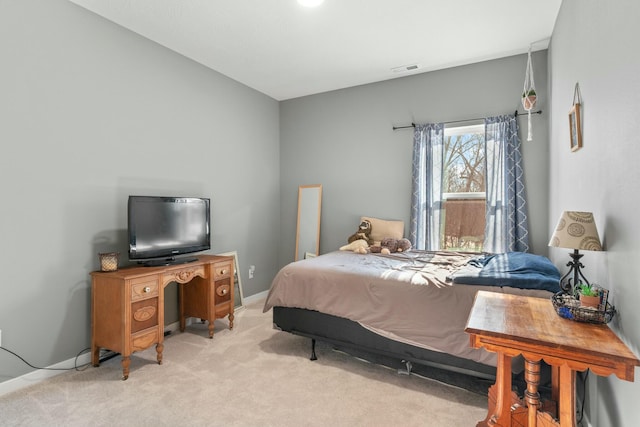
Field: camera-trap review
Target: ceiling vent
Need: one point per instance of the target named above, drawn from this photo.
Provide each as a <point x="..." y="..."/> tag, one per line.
<point x="406" y="68"/>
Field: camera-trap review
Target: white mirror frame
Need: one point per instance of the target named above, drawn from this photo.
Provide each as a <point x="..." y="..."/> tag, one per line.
<point x="238" y="296"/>
<point x="308" y="227"/>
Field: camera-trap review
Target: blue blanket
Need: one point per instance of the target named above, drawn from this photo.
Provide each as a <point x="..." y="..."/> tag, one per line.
<point x="514" y="269"/>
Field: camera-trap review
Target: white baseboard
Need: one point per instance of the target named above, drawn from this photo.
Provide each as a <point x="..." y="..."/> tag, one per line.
<point x="255" y="298"/>
<point x="40" y="375"/>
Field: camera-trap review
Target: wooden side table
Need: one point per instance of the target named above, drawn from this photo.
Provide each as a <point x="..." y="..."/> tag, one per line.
<point x="511" y="325"/>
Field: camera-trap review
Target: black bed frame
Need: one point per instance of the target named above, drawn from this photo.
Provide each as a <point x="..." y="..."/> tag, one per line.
<point x="352" y="338"/>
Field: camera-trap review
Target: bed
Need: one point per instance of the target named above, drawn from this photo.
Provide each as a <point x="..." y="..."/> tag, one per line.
<point x="410" y="306"/>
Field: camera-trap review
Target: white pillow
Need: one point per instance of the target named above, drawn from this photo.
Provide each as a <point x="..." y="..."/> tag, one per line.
<point x="381" y="228"/>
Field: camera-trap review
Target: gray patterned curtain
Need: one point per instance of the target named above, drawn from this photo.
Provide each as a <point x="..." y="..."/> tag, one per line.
<point x="507" y="226"/>
<point x="426" y="196"/>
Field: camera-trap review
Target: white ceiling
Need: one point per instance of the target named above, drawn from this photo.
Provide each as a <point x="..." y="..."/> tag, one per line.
<point x="286" y="51"/>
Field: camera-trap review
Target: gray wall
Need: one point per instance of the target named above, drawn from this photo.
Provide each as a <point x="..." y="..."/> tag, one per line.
<point x="595" y="43"/>
<point x="344" y="141"/>
<point x="90" y="113"/>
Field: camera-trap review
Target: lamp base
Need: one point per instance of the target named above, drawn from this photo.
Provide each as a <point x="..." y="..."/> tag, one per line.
<point x="575" y="266"/>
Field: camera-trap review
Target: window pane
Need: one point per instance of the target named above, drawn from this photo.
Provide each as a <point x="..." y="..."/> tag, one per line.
<point x="464" y="224"/>
<point x="464" y="163"/>
<point x="464" y="189"/>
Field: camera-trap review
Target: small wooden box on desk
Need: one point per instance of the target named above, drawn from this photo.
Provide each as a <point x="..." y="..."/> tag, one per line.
<point x="127" y="305"/>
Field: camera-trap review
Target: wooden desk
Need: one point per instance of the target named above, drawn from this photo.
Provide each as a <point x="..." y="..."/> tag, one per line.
<point x="127" y="305"/>
<point x="511" y="325"/>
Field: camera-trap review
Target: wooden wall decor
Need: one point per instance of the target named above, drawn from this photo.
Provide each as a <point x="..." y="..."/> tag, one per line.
<point x="575" y="123"/>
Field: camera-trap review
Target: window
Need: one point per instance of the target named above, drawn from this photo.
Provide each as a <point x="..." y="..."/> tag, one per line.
<point x="463" y="188"/>
<point x="463" y="174"/>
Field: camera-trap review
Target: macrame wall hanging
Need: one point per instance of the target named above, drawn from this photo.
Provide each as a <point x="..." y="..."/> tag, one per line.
<point x="529" y="93"/>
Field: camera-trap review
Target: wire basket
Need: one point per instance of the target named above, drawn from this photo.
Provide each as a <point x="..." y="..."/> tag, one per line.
<point x="568" y="307"/>
<point x="109" y="261"/>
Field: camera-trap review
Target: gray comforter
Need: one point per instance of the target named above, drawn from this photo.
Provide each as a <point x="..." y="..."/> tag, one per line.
<point x="406" y="297"/>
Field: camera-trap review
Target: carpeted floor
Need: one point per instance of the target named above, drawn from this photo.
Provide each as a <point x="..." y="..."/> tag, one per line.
<point x="252" y="375"/>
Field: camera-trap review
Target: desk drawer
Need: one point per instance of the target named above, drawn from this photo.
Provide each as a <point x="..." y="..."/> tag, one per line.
<point x="144" y="340"/>
<point x="221" y="270"/>
<point x="223" y="309"/>
<point x="144" y="288"/>
<point x="223" y="290"/>
<point x="144" y="314"/>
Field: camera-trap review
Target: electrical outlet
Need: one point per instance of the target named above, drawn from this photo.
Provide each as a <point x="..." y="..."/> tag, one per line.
<point x="252" y="269"/>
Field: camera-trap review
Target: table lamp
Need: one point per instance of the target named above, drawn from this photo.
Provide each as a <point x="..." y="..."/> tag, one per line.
<point x="575" y="230"/>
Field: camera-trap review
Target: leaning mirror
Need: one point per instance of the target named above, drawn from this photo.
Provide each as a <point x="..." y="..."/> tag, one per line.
<point x="308" y="231"/>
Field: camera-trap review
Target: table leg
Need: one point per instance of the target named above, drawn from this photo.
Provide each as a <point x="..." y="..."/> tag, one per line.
<point x="567" y="402"/>
<point x="500" y="415"/>
<point x="531" y="395"/>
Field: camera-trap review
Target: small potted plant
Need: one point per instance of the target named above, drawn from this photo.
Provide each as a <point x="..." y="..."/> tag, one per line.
<point x="589" y="297"/>
<point x="529" y="99"/>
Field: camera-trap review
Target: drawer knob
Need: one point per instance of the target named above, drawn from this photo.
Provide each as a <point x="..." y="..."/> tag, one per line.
<point x="147" y="289"/>
<point x="222" y="290"/>
<point x="223" y="271"/>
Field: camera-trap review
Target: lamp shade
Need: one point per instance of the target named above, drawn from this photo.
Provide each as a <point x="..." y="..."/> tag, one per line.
<point x="576" y="230"/>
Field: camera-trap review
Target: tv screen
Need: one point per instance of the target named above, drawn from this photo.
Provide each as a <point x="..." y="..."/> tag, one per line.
<point x="162" y="228"/>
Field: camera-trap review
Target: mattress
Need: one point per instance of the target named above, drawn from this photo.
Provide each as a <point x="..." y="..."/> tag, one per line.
<point x="407" y="297"/>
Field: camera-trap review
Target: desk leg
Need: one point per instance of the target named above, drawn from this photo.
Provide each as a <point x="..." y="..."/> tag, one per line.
<point x="567" y="402"/>
<point x="531" y="395"/>
<point x="126" y="361"/>
<point x="500" y="415"/>
<point x="159" y="349"/>
<point x="95" y="355"/>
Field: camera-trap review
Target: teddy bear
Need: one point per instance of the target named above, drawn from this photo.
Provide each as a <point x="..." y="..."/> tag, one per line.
<point x="363" y="233"/>
<point x="389" y="245"/>
<point x="359" y="246"/>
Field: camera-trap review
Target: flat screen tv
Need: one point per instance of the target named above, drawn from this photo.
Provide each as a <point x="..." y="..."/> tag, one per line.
<point x="161" y="229"/>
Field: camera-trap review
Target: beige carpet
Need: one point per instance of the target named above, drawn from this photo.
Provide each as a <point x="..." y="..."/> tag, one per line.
<point x="252" y="375"/>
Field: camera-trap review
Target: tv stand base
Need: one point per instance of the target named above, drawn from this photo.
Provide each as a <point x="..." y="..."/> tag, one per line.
<point x="168" y="261"/>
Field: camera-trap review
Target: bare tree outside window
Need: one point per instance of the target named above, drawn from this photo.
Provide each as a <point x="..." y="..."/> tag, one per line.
<point x="464" y="163"/>
<point x="464" y="189"/>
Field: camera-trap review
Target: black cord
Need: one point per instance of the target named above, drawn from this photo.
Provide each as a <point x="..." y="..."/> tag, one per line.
<point x="75" y="367"/>
<point x="584" y="397"/>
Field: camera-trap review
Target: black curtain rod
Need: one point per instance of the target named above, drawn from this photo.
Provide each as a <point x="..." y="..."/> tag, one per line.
<point x="412" y="125"/>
